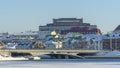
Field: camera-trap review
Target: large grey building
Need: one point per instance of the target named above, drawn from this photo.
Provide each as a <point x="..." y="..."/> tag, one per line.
<point x="66" y="25"/>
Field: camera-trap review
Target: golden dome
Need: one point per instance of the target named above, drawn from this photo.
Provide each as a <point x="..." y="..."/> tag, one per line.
<point x="53" y="33"/>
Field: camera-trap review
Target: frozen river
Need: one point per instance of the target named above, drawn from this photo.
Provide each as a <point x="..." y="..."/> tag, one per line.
<point x="61" y="64"/>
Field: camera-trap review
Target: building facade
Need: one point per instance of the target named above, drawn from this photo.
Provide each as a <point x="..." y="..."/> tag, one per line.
<point x="111" y="41"/>
<point x="67" y="25"/>
<point x="111" y="44"/>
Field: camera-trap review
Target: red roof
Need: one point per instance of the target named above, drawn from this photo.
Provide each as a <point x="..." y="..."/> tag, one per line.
<point x="84" y="30"/>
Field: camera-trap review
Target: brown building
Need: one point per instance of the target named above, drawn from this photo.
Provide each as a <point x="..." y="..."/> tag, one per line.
<point x="82" y="30"/>
<point x="112" y="40"/>
<point x="66" y="25"/>
<point x="111" y="44"/>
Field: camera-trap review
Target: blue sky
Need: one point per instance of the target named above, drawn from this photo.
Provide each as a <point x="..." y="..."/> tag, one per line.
<point x="23" y="15"/>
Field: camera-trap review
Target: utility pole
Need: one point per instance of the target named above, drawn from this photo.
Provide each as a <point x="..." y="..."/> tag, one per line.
<point x="110" y="43"/>
<point x="116" y="43"/>
<point x="110" y="33"/>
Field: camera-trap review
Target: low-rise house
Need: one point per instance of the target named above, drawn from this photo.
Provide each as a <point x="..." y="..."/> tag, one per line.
<point x="53" y="45"/>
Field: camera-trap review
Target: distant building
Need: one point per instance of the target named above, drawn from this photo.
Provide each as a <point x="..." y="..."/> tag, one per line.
<point x="111" y="41"/>
<point x="111" y="44"/>
<point x="82" y="30"/>
<point x="68" y="22"/>
<point x="67" y="25"/>
<point x="28" y="35"/>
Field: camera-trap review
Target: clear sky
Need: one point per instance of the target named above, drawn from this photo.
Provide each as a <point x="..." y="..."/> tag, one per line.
<point x="23" y="15"/>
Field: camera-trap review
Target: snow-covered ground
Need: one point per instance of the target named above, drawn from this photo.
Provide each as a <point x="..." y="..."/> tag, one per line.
<point x="112" y="54"/>
<point x="54" y="64"/>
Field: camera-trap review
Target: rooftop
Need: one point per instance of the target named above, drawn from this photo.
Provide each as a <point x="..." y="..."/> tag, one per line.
<point x="117" y="28"/>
